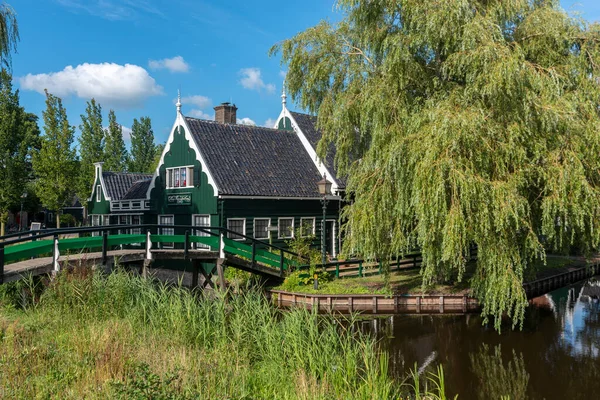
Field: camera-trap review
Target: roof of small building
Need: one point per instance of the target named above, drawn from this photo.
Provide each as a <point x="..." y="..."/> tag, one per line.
<point x="138" y="190"/>
<point x="308" y="126"/>
<point x="120" y="184"/>
<point x="255" y="161"/>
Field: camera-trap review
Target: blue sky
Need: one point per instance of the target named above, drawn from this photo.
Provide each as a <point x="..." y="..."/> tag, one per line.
<point x="133" y="55"/>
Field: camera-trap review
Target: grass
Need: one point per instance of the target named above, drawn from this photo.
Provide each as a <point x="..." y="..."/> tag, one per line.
<point x="85" y="335"/>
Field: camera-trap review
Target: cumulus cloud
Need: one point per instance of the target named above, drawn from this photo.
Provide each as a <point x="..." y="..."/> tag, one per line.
<point x="269" y="123"/>
<point x="175" y="64"/>
<point x="251" y="79"/>
<point x="246" y="121"/>
<point x="114" y="84"/>
<point x="201" y="115"/>
<point x="196" y="101"/>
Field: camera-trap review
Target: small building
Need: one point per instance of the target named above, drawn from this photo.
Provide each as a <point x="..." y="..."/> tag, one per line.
<point x="256" y="181"/>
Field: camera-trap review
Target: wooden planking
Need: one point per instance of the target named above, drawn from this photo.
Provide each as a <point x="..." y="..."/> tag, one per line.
<point x="379" y="304"/>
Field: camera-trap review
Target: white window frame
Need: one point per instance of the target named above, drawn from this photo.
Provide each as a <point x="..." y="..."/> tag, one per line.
<point x="98" y="193"/>
<point x="314" y="224"/>
<point x="200" y="246"/>
<point x="168" y="245"/>
<point x="96" y="222"/>
<point x="279" y="228"/>
<point x="244" y="228"/>
<point x="254" y="227"/>
<point x="189" y="173"/>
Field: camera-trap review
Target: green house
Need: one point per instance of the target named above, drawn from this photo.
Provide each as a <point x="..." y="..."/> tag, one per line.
<point x="255" y="181"/>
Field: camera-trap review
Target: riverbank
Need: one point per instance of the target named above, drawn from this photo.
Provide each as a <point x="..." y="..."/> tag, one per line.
<point x="85" y="335"/>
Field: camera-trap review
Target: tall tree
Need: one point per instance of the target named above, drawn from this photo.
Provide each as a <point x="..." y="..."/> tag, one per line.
<point x="15" y="144"/>
<point x="91" y="143"/>
<point x="9" y="33"/>
<point x="460" y="122"/>
<point x="115" y="153"/>
<point x="56" y="163"/>
<point x="141" y="157"/>
<point x="158" y="150"/>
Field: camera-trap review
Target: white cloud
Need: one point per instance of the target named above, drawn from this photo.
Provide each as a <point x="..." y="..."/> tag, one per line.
<point x="201" y="115"/>
<point x="196" y="101"/>
<point x="114" y="84"/>
<point x="246" y="121"/>
<point x="269" y="123"/>
<point x="251" y="79"/>
<point x="175" y="64"/>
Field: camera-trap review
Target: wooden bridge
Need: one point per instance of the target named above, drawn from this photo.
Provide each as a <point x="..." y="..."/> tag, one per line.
<point x="41" y="252"/>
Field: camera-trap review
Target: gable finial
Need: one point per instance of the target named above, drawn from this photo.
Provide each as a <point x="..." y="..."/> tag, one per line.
<point x="178" y="101"/>
<point x="283" y="95"/>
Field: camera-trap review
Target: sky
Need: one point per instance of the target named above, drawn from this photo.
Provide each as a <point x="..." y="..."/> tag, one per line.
<point x="134" y="55"/>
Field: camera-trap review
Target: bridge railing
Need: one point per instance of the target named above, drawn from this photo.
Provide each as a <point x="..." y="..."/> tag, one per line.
<point x="14" y="247"/>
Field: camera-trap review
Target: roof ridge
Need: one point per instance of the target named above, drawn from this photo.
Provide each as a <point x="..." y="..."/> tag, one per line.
<point x="238" y="125"/>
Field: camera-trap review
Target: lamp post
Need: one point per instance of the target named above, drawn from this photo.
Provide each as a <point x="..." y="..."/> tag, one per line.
<point x="23" y="197"/>
<point x="324" y="189"/>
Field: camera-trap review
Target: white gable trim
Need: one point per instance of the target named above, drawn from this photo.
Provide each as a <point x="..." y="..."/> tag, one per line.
<point x="311" y="151"/>
<point x="98" y="168"/>
<point x="180" y="121"/>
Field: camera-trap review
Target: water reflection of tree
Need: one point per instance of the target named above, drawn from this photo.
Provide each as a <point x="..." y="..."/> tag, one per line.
<point x="498" y="379"/>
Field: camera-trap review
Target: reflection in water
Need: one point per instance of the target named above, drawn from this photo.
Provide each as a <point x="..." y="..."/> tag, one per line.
<point x="556" y="356"/>
<point x="498" y="379"/>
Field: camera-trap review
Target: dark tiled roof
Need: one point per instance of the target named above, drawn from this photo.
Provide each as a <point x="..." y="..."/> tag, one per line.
<point x="308" y="126"/>
<point x="137" y="190"/>
<point x="119" y="183"/>
<point x="255" y="161"/>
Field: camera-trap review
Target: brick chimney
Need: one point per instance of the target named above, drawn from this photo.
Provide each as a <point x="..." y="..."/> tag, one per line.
<point x="225" y="113"/>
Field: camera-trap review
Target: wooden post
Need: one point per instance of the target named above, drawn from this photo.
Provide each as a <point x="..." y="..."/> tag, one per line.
<point x="104" y="248"/>
<point x="56" y="254"/>
<point x="279" y="301"/>
<point x="464" y="303"/>
<point x="186" y="245"/>
<point x="418" y="304"/>
<point x="360" y="269"/>
<point x="350" y="304"/>
<point x="195" y="272"/>
<point x="374" y="305"/>
<point x="329" y="304"/>
<point x="441" y="304"/>
<point x="294" y="300"/>
<point x="395" y="304"/>
<point x="221" y="273"/>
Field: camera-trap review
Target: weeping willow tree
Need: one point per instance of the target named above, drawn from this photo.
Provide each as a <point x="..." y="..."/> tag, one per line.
<point x="459" y="123"/>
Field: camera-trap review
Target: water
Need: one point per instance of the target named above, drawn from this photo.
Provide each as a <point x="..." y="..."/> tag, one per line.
<point x="555" y="356"/>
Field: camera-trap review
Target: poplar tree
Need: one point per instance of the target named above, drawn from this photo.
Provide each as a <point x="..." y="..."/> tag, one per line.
<point x="459" y="123"/>
<point x="14" y="148"/>
<point x="141" y="158"/>
<point x="55" y="165"/>
<point x="91" y="143"/>
<point x="115" y="153"/>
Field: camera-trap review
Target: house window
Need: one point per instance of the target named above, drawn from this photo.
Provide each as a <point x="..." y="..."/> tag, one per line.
<point x="136" y="220"/>
<point x="307" y="226"/>
<point x="180" y="177"/>
<point x="285" y="228"/>
<point x="166" y="220"/>
<point x="202" y="221"/>
<point x="95" y="222"/>
<point x="237" y="225"/>
<point x="98" y="193"/>
<point x="261" y="228"/>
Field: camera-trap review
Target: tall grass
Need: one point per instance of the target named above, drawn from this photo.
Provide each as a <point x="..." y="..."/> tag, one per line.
<point x="96" y="336"/>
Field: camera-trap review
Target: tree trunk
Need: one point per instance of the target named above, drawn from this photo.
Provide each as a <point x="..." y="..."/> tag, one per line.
<point x="2" y="228"/>
<point x="57" y="221"/>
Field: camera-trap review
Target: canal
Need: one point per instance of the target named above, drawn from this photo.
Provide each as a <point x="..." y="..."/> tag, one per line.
<point x="555" y="356"/>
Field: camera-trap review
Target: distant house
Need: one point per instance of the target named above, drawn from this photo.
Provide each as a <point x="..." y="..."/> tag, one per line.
<point x="256" y="181"/>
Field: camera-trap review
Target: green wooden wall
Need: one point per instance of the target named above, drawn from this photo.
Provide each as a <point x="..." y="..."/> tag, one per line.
<point x="204" y="199"/>
<point x="101" y="207"/>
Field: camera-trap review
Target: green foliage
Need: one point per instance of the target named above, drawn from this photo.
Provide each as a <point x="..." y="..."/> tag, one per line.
<point x="56" y="164"/>
<point x="433" y="387"/>
<point x="459" y="123"/>
<point x="115" y="153"/>
<point x="302" y="245"/>
<point x="67" y="220"/>
<point x="143" y="150"/>
<point x="91" y="144"/>
<point x="498" y="379"/>
<point x="9" y="34"/>
<point x="142" y="384"/>
<point x="17" y="140"/>
<point x="158" y="150"/>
